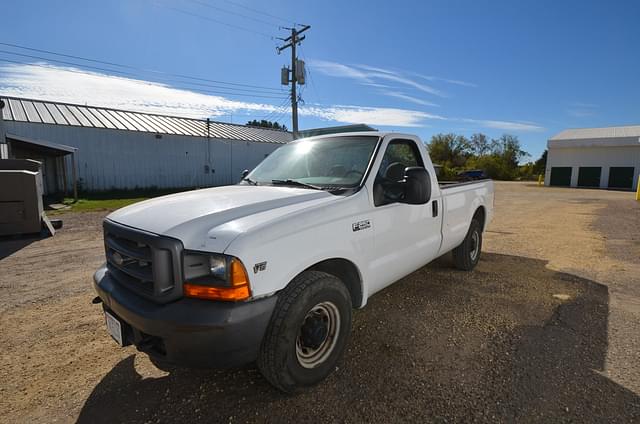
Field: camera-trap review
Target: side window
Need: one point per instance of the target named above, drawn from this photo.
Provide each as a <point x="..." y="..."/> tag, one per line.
<point x="399" y="155"/>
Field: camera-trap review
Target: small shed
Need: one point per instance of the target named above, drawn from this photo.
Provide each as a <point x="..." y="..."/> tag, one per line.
<point x="52" y="156"/>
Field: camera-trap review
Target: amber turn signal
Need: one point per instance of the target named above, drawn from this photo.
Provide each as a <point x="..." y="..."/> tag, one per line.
<point x="238" y="289"/>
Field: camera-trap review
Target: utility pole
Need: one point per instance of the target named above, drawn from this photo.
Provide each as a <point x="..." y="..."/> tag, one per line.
<point x="295" y="74"/>
<point x="4" y="149"/>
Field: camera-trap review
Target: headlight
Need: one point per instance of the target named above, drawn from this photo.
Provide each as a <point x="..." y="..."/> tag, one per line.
<point x="215" y="277"/>
<point x="218" y="267"/>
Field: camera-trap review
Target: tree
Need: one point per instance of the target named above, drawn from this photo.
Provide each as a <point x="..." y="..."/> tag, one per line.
<point x="540" y="165"/>
<point x="449" y="150"/>
<point x="508" y="147"/>
<point x="479" y="144"/>
<point x="502" y="160"/>
<point x="506" y="151"/>
<point x="267" y="124"/>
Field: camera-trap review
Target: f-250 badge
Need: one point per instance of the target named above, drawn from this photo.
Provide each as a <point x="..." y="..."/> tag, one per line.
<point x="361" y="225"/>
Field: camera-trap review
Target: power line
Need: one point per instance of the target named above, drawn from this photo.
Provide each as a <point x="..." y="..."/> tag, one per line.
<point x="201" y="90"/>
<point x="135" y="76"/>
<point x="119" y="65"/>
<point x="308" y="70"/>
<point x="206" y="18"/>
<point x="62" y="54"/>
<point x="277" y="115"/>
<point x="210" y="6"/>
<point x="281" y="115"/>
<point x="279" y="110"/>
<point x="271" y="113"/>
<point x="259" y="12"/>
<point x="65" y="62"/>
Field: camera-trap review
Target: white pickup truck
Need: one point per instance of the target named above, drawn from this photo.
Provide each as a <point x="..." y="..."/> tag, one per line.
<point x="269" y="270"/>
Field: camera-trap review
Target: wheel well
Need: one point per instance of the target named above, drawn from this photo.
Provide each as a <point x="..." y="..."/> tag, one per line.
<point x="347" y="272"/>
<point x="480" y="215"/>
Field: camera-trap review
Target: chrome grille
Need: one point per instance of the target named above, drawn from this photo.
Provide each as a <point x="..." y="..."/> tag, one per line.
<point x="143" y="262"/>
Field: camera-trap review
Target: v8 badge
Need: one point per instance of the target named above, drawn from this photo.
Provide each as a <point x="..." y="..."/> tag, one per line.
<point x="260" y="266"/>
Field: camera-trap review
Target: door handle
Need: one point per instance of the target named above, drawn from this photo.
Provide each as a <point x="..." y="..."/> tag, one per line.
<point x="434" y="208"/>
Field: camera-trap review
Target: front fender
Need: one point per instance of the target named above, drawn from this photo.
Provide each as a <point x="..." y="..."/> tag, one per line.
<point x="275" y="254"/>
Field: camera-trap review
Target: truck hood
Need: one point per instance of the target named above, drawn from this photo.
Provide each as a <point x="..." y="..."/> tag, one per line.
<point x="210" y="219"/>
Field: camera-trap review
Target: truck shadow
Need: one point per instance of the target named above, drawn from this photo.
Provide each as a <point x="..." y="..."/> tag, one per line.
<point x="441" y="345"/>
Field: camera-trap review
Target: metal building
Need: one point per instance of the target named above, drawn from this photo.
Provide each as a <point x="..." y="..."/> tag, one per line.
<point x="595" y="157"/>
<point x="104" y="149"/>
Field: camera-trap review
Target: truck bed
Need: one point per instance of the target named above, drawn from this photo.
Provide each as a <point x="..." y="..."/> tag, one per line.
<point x="450" y="184"/>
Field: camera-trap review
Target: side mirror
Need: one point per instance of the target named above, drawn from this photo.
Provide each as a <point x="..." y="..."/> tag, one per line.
<point x="245" y="173"/>
<point x="417" y="185"/>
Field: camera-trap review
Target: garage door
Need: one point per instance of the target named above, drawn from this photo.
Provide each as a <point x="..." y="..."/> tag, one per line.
<point x="589" y="176"/>
<point x="560" y="176"/>
<point x="621" y="177"/>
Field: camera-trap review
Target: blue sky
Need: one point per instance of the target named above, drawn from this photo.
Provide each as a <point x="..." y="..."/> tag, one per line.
<point x="525" y="68"/>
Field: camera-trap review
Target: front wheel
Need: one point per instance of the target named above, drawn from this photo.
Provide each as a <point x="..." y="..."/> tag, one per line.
<point x="308" y="332"/>
<point x="467" y="255"/>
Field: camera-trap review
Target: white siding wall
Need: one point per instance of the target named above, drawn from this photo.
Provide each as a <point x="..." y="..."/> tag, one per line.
<point x="108" y="159"/>
<point x="604" y="157"/>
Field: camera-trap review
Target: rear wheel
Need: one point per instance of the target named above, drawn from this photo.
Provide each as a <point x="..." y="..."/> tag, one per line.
<point x="467" y="255"/>
<point x="308" y="332"/>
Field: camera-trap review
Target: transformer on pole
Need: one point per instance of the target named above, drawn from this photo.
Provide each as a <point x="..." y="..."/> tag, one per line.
<point x="294" y="75"/>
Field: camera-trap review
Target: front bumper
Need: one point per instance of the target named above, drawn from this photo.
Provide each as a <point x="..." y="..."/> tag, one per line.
<point x="189" y="332"/>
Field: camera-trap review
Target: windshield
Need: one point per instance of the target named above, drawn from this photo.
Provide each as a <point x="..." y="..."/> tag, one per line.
<point x="325" y="163"/>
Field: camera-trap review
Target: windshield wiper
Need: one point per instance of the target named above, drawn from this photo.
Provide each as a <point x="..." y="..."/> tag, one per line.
<point x="250" y="181"/>
<point x="295" y="183"/>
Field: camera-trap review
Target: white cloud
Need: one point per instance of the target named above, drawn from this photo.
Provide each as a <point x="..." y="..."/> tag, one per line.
<point x="450" y="81"/>
<point x="371" y="75"/>
<point x="367" y="75"/>
<point x="504" y="125"/>
<point x="77" y="86"/>
<point x="339" y="70"/>
<point x="403" y="96"/>
<point x="72" y="85"/>
<point x="375" y="69"/>
<point x="408" y="82"/>
<point x="371" y="115"/>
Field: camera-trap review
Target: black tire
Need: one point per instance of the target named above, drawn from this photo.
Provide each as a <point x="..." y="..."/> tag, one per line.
<point x="467" y="255"/>
<point x="279" y="358"/>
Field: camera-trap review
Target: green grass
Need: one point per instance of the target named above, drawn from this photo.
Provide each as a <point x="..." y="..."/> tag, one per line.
<point x="88" y="205"/>
<point x="111" y="200"/>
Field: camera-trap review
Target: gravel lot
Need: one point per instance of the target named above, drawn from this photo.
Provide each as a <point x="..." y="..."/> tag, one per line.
<point x="441" y="345"/>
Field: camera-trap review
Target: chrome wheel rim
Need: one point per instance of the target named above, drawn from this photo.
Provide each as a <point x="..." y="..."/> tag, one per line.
<point x="318" y="334"/>
<point x="475" y="245"/>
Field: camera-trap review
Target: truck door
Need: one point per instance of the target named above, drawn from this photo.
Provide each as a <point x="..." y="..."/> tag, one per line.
<point x="406" y="236"/>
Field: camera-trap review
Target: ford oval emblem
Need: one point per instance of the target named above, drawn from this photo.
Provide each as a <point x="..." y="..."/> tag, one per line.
<point x="117" y="258"/>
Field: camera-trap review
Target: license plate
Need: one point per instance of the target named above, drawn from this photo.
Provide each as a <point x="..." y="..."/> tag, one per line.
<point x="114" y="327"/>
